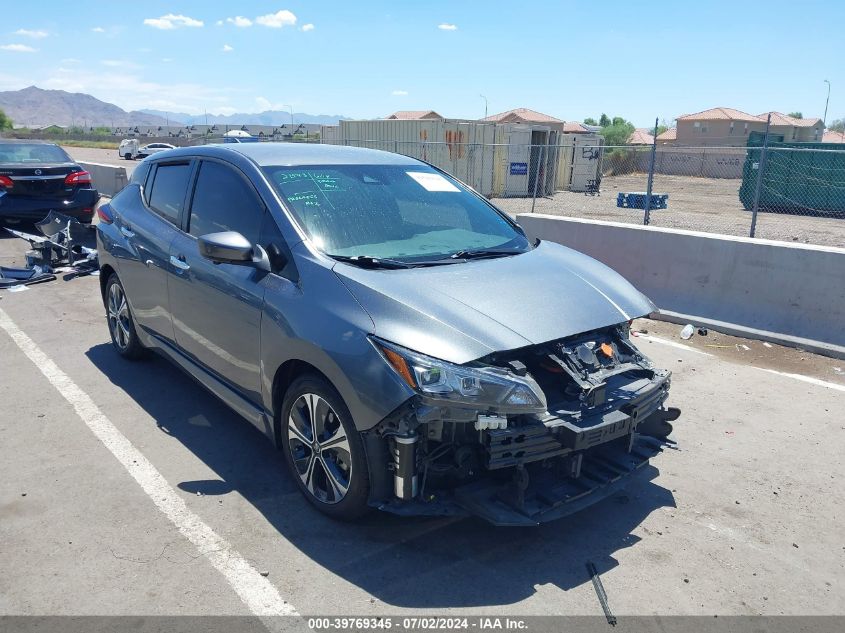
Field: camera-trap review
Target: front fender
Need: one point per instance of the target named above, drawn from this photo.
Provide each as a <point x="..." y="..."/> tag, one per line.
<point x="318" y="322"/>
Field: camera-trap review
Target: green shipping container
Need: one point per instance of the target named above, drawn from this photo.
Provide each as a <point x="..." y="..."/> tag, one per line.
<point x="802" y="182"/>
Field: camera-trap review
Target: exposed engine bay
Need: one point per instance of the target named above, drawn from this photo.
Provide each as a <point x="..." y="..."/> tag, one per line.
<point x="602" y="419"/>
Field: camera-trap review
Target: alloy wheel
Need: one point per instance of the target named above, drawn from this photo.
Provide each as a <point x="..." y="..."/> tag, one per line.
<point x="319" y="448"/>
<point x="118" y="316"/>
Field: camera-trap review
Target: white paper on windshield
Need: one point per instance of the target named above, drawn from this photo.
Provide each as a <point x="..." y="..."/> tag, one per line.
<point x="432" y="182"/>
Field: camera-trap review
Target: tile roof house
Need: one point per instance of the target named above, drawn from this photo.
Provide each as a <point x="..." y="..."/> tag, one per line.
<point x="573" y="127"/>
<point x="415" y="115"/>
<point x="522" y="115"/>
<point x="833" y="137"/>
<point x="669" y="136"/>
<point x="641" y="136"/>
<point x="731" y="127"/>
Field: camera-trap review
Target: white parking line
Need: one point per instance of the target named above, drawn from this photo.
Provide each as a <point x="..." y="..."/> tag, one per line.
<point x="256" y="592"/>
<point x="803" y="378"/>
<point x="663" y="341"/>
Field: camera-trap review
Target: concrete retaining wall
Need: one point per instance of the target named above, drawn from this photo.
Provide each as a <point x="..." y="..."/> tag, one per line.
<point x="108" y="179"/>
<point x="791" y="294"/>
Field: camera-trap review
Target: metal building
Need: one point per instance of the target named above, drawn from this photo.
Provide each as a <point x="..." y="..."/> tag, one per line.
<point x="496" y="158"/>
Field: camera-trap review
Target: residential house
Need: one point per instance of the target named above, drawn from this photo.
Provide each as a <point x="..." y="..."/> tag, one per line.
<point x="415" y="115"/>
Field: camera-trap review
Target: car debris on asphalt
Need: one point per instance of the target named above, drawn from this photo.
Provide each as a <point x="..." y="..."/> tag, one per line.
<point x="60" y="249"/>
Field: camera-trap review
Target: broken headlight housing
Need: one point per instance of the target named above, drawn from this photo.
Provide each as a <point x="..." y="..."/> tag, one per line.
<point x="483" y="388"/>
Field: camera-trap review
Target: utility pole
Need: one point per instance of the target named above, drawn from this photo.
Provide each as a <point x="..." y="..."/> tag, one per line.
<point x="827" y="101"/>
<point x="485" y="105"/>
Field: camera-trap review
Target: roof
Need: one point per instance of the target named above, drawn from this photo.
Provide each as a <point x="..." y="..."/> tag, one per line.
<point x="779" y="118"/>
<point x="298" y="154"/>
<point x="723" y="114"/>
<point x="833" y="137"/>
<point x="669" y="135"/>
<point x="521" y="115"/>
<point x="412" y="115"/>
<point x="573" y="127"/>
<point x="641" y="136"/>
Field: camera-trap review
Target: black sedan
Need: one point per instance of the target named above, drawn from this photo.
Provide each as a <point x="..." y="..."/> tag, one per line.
<point x="37" y="177"/>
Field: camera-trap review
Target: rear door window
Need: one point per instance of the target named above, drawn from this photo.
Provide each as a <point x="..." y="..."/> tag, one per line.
<point x="170" y="184"/>
<point x="225" y="201"/>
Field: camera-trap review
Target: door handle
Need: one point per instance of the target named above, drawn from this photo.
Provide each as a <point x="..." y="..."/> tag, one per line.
<point x="126" y="231"/>
<point x="179" y="262"/>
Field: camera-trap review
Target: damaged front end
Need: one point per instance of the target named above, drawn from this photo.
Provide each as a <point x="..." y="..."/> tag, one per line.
<point x="519" y="437"/>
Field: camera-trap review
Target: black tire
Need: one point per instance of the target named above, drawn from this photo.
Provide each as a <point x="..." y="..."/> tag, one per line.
<point x="127" y="156"/>
<point x="341" y="457"/>
<point x="120" y="322"/>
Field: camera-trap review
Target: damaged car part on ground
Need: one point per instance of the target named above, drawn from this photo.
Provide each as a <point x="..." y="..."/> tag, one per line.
<point x="62" y="247"/>
<point x="403" y="342"/>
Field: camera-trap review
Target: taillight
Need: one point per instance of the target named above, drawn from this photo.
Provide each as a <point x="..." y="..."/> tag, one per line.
<point x="78" y="178"/>
<point x="105" y="214"/>
<point x="6" y="182"/>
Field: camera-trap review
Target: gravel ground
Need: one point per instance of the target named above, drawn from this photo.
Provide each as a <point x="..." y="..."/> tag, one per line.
<point x="698" y="204"/>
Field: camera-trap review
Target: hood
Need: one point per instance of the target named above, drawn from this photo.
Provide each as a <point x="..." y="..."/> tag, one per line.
<point x="461" y="312"/>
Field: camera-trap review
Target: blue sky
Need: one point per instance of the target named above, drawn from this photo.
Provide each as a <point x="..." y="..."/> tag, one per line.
<point x="364" y="59"/>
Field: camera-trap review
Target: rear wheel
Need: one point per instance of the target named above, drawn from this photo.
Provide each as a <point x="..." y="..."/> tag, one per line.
<point x="119" y="317"/>
<point x="323" y="450"/>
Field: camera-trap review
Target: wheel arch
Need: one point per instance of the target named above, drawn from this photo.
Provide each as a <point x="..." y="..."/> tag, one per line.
<point x="287" y="372"/>
<point x="106" y="271"/>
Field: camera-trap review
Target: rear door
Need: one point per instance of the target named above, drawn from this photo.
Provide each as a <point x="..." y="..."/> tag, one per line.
<point x="217" y="308"/>
<point x="149" y="229"/>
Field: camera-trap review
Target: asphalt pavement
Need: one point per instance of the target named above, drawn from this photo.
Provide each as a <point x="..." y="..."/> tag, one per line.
<point x="125" y="488"/>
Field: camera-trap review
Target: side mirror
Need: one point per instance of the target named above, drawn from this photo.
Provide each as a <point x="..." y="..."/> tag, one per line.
<point x="228" y="247"/>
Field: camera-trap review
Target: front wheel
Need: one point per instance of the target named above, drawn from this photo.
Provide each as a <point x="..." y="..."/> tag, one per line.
<point x="323" y="450"/>
<point x="119" y="317"/>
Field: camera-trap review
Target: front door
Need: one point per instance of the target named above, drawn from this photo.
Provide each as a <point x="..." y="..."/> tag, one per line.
<point x="216" y="308"/>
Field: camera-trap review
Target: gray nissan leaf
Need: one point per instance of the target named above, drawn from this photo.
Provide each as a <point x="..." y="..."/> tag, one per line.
<point x="403" y="343"/>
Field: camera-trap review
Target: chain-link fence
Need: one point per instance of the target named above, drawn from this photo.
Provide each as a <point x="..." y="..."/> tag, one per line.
<point x="771" y="191"/>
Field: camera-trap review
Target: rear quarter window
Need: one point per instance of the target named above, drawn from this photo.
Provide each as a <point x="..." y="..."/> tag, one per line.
<point x="167" y="195"/>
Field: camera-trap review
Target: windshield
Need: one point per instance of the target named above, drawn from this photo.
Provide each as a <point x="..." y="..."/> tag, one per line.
<point x="401" y="212"/>
<point x="32" y="153"/>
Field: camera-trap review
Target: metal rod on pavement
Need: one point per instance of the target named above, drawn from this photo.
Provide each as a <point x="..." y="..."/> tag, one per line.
<point x="647" y="215"/>
<point x="761" y="165"/>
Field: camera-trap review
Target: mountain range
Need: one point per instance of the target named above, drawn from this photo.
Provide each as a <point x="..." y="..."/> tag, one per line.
<point x="268" y="117"/>
<point x="34" y="107"/>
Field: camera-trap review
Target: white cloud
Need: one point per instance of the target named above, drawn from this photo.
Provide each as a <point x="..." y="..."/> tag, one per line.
<point x="308" y="27"/>
<point x="265" y="104"/>
<point x="172" y="21"/>
<point x="70" y="60"/>
<point x="219" y="23"/>
<point x="400" y="93"/>
<point x="239" y="21"/>
<point x="227" y="49"/>
<point x="131" y="92"/>
<point x="36" y="35"/>
<point x="447" y="27"/>
<point x="98" y="29"/>
<point x="119" y="63"/>
<point x="167" y="60"/>
<point x="18" y="48"/>
<point x="277" y="20"/>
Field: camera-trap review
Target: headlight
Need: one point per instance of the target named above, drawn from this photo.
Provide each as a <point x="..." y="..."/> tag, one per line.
<point x="482" y="388"/>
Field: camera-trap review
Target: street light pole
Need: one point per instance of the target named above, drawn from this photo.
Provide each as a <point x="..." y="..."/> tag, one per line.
<point x="485" y="105"/>
<point x="289" y="107"/>
<point x="827" y="101"/>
